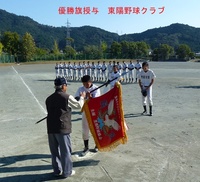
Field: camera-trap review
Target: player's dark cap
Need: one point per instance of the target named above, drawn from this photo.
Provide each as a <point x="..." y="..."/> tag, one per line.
<point x="85" y="78"/>
<point x="60" y="81"/>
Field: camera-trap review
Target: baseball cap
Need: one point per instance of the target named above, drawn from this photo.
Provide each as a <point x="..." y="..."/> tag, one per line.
<point x="60" y="81"/>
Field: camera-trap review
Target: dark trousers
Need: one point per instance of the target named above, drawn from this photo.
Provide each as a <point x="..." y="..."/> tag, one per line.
<point x="60" y="148"/>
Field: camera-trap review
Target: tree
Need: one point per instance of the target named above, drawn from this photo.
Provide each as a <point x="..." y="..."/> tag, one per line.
<point x="183" y="51"/>
<point x="141" y="49"/>
<point x="55" y="48"/>
<point x="69" y="40"/>
<point x="116" y="49"/>
<point x="132" y="50"/>
<point x="93" y="52"/>
<point x="40" y="51"/>
<point x="103" y="47"/>
<point x="11" y="42"/>
<point x="1" y="48"/>
<point x="70" y="52"/>
<point x="28" y="47"/>
<point x="125" y="49"/>
<point x="163" y="52"/>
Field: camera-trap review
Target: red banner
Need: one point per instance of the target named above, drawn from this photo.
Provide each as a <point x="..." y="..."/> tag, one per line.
<point x="106" y="119"/>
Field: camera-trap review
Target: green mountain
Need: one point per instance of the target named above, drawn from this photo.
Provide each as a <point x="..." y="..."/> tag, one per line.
<point x="172" y="35"/>
<point x="44" y="35"/>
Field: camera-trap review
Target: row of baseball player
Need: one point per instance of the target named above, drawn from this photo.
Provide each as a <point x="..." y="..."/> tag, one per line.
<point x="98" y="72"/>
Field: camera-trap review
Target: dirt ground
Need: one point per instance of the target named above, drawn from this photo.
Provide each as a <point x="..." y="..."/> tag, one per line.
<point x="161" y="148"/>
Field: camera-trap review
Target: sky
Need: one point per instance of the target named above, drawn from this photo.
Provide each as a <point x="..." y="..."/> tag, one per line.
<point x="144" y="14"/>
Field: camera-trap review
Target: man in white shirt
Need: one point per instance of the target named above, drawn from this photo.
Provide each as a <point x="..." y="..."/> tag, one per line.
<point x="70" y="67"/>
<point x="98" y="71"/>
<point x="138" y="67"/>
<point x="61" y="70"/>
<point x="110" y="69"/>
<point x="93" y="73"/>
<point x="74" y="71"/>
<point x="115" y="74"/>
<point x="124" y="68"/>
<point x="79" y="68"/>
<point x="87" y="87"/>
<point x="131" y="67"/>
<point x="84" y="68"/>
<point x="104" y="68"/>
<point x="57" y="70"/>
<point x="146" y="79"/>
<point x="88" y="68"/>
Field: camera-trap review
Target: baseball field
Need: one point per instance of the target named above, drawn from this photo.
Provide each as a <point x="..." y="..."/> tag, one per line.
<point x="161" y="148"/>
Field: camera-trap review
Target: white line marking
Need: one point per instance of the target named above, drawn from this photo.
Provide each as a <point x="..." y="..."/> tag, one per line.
<point x="44" y="110"/>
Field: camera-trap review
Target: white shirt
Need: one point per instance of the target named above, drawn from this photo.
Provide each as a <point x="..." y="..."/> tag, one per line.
<point x="124" y="66"/>
<point x="70" y="66"/>
<point x="138" y="66"/>
<point x="131" y="66"/>
<point x="104" y="67"/>
<point x="119" y="66"/>
<point x="146" y="77"/>
<point x="93" y="67"/>
<point x="110" y="68"/>
<point x="79" y="67"/>
<point x="94" y="94"/>
<point x="113" y="75"/>
<point x="98" y="67"/>
<point x="88" y="66"/>
<point x="74" y="67"/>
<point x="74" y="104"/>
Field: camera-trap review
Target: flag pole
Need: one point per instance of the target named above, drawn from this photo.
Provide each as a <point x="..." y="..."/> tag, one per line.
<point x="106" y="83"/>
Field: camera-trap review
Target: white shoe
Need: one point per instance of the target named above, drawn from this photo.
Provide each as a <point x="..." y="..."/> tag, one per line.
<point x="73" y="173"/>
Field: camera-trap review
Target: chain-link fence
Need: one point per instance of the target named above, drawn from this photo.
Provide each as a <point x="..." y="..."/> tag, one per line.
<point x="6" y="58"/>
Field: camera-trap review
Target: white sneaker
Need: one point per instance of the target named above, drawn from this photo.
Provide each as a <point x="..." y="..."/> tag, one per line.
<point x="73" y="173"/>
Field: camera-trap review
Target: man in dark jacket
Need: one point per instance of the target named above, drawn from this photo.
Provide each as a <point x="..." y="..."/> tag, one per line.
<point x="59" y="127"/>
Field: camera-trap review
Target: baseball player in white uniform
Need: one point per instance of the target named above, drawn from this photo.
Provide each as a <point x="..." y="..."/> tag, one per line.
<point x="119" y="67"/>
<point x="74" y="71"/>
<point x="103" y="72"/>
<point x="93" y="75"/>
<point x="138" y="67"/>
<point x="70" y="67"/>
<point x="98" y="71"/>
<point x="79" y="68"/>
<point x="146" y="79"/>
<point x="65" y="70"/>
<point x="84" y="68"/>
<point x="110" y="69"/>
<point x="124" y="68"/>
<point x="115" y="74"/>
<point x="60" y="70"/>
<point x="57" y="70"/>
<point x="131" y="67"/>
<point x="87" y="87"/>
<point x="88" y="68"/>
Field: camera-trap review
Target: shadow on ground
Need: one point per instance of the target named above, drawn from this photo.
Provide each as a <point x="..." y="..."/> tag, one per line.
<point x="194" y="87"/>
<point x="6" y="161"/>
<point x="132" y="115"/>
